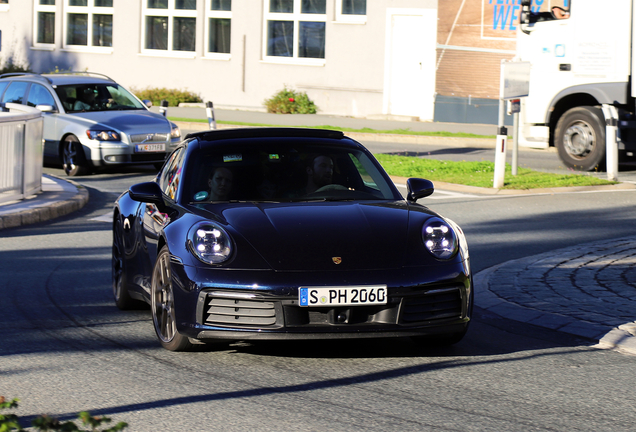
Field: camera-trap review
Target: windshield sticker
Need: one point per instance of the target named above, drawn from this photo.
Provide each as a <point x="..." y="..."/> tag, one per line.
<point x="233" y="158"/>
<point x="200" y="196"/>
<point x="274" y="157"/>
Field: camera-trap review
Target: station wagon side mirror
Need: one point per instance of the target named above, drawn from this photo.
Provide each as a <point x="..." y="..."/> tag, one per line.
<point x="46" y="108"/>
<point x="148" y="192"/>
<point x="418" y="188"/>
<point x="147" y="102"/>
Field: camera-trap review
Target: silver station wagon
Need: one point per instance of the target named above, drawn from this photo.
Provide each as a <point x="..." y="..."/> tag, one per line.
<point x="91" y="121"/>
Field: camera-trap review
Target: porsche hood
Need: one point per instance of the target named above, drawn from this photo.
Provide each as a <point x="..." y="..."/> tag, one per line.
<point x="324" y="236"/>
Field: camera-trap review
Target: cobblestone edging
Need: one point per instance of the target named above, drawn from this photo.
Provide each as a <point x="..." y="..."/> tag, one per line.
<point x="51" y="208"/>
<point x="588" y="290"/>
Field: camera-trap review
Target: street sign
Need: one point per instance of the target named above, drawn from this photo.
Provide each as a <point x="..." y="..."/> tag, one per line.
<point x="515" y="80"/>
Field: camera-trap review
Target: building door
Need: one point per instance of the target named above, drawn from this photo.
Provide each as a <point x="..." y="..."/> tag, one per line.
<point x="409" y="84"/>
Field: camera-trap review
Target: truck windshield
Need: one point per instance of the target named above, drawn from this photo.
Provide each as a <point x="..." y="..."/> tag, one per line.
<point x="548" y="10"/>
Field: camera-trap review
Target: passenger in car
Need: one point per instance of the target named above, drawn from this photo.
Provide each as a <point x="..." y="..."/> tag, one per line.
<point x="220" y="182"/>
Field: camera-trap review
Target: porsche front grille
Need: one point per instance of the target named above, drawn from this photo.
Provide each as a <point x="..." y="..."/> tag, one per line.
<point x="224" y="311"/>
<point x="434" y="305"/>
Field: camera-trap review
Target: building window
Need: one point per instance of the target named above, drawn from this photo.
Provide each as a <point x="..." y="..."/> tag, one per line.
<point x="89" y="23"/>
<point x="44" y="28"/>
<point x="295" y="29"/>
<point x="351" y="11"/>
<point x="219" y="28"/>
<point x="169" y="26"/>
<point x="4" y="5"/>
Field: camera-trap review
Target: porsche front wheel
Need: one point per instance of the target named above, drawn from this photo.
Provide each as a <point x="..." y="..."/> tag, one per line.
<point x="162" y="305"/>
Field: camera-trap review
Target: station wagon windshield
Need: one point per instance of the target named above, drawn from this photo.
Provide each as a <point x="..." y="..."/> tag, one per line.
<point x="96" y="97"/>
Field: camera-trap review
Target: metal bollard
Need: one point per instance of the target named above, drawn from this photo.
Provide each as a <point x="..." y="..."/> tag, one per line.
<point x="209" y="109"/>
<point x="163" y="109"/>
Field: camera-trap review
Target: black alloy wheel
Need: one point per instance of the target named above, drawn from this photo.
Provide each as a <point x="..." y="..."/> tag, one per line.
<point x="162" y="305"/>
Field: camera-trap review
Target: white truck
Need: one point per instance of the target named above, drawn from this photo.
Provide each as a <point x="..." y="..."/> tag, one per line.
<point x="582" y="56"/>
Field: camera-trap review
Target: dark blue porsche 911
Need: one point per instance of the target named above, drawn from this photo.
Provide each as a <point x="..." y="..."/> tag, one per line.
<point x="273" y="233"/>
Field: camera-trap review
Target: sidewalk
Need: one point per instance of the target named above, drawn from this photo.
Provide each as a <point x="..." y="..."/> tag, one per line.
<point x="58" y="198"/>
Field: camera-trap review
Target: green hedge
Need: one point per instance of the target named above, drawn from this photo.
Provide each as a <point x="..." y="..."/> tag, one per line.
<point x="289" y="101"/>
<point x="173" y="96"/>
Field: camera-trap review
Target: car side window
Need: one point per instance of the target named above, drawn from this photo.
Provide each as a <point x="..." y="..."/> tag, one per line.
<point x="3" y="85"/>
<point x="40" y="95"/>
<point x="171" y="174"/>
<point x="15" y="92"/>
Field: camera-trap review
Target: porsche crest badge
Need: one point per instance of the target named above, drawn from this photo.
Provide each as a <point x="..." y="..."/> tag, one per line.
<point x="336" y="260"/>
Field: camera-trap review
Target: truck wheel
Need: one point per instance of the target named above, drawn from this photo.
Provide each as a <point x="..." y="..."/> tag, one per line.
<point x="580" y="138"/>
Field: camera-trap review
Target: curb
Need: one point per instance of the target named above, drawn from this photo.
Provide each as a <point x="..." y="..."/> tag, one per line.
<point x="46" y="211"/>
<point x="621" y="338"/>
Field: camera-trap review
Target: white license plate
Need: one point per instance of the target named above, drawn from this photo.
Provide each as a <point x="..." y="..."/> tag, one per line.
<point x="140" y="148"/>
<point x="342" y="296"/>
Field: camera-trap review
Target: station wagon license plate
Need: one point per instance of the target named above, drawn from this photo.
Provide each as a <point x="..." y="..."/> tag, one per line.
<point x="343" y="296"/>
<point x="143" y="148"/>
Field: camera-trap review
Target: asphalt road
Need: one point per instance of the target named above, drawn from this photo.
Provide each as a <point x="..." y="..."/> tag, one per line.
<point x="65" y="347"/>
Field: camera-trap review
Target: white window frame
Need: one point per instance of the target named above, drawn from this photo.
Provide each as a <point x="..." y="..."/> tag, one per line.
<point x="37" y="8"/>
<point x="348" y="18"/>
<point x="296" y="16"/>
<point x="171" y="13"/>
<point x="88" y="10"/>
<point x="209" y="13"/>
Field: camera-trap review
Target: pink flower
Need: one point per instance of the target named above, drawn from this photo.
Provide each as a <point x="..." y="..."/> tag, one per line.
<point x="291" y="99"/>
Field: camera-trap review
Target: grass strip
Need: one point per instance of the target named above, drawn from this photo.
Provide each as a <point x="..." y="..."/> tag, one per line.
<point x="480" y="174"/>
<point x="343" y="129"/>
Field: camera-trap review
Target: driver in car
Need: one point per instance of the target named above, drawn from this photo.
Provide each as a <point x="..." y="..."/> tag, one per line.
<point x="319" y="172"/>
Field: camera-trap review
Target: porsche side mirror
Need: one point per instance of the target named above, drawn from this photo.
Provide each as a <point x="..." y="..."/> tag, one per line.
<point x="148" y="192"/>
<point x="418" y="188"/>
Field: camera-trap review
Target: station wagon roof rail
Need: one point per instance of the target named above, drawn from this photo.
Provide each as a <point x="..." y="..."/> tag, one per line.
<point x="87" y="73"/>
<point x="25" y="74"/>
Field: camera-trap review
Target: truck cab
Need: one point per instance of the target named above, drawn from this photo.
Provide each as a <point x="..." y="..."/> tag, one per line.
<point x="581" y="59"/>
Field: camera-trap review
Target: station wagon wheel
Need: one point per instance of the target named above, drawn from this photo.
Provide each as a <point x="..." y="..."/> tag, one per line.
<point x="73" y="160"/>
<point x="120" y="289"/>
<point x="162" y="305"/>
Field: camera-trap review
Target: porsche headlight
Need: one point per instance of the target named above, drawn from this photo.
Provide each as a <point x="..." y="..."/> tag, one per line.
<point x="103" y="135"/>
<point x="439" y="238"/>
<point x="210" y="243"/>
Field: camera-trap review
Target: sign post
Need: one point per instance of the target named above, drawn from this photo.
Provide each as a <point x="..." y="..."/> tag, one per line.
<point x="514" y="84"/>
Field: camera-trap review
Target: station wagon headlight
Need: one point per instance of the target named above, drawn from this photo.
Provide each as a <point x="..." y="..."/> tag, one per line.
<point x="439" y="238"/>
<point x="103" y="135"/>
<point x="210" y="243"/>
<point x="175" y="132"/>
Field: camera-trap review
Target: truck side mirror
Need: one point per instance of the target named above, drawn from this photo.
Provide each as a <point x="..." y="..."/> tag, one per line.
<point x="524" y="18"/>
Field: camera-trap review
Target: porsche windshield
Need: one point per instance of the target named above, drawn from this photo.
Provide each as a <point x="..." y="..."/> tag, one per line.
<point x="284" y="169"/>
<point x="96" y="97"/>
